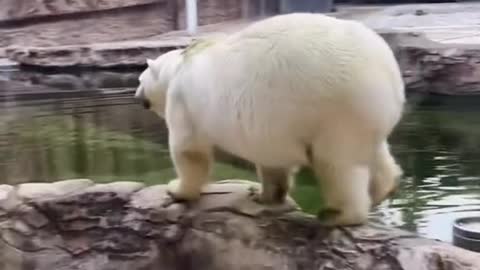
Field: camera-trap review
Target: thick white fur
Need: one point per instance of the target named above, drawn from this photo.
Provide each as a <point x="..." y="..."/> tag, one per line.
<point x="275" y="90"/>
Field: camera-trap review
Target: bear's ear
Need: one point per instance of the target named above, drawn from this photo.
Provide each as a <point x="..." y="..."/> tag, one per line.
<point x="152" y="67"/>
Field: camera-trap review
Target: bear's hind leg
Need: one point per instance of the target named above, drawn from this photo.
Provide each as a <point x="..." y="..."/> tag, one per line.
<point x="345" y="187"/>
<point x="385" y="175"/>
<point x="276" y="183"/>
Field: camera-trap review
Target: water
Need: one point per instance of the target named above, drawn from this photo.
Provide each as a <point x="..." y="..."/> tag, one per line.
<point x="438" y="146"/>
<point x="100" y="133"/>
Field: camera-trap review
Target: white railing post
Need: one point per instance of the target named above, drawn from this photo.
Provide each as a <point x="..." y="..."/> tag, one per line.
<point x="263" y="7"/>
<point x="245" y="9"/>
<point x="191" y="16"/>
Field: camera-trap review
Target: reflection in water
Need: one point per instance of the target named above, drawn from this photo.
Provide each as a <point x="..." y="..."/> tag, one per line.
<point x="103" y="138"/>
<point x="439" y="149"/>
<point x="108" y="138"/>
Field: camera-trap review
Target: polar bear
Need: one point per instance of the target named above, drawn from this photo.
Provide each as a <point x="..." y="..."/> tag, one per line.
<point x="285" y="92"/>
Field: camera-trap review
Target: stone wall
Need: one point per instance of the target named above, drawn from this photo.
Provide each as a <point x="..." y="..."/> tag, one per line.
<point x="211" y="11"/>
<point x="24" y="9"/>
<point x="47" y="23"/>
<point x="118" y="25"/>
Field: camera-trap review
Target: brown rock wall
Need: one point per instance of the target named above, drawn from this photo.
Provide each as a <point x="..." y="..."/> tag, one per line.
<point x="23" y="9"/>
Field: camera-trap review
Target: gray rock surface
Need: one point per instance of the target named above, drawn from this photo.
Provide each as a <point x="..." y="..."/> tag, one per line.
<point x="97" y="55"/>
<point x="75" y="224"/>
<point x="427" y="66"/>
<point x="436" y="68"/>
<point x="34" y="85"/>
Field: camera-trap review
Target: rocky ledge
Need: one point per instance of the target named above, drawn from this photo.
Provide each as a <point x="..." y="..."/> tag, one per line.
<point x="437" y="45"/>
<point x="77" y="224"/>
<point x="113" y="54"/>
<point x="435" y="68"/>
<point x="427" y="66"/>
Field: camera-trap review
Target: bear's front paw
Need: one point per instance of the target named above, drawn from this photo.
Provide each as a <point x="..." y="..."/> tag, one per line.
<point x="328" y="216"/>
<point x="275" y="208"/>
<point x="331" y="217"/>
<point x="181" y="192"/>
<point x="258" y="196"/>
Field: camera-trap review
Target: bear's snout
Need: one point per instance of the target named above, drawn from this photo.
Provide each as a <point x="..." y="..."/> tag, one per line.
<point x="142" y="100"/>
<point x="140" y="97"/>
<point x="146" y="104"/>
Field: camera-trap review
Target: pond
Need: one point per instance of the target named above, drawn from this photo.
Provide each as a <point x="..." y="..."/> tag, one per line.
<point x="95" y="130"/>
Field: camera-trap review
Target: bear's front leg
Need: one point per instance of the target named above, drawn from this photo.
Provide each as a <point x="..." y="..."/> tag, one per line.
<point x="276" y="183"/>
<point x="193" y="170"/>
<point x="191" y="155"/>
<point x="346" y="193"/>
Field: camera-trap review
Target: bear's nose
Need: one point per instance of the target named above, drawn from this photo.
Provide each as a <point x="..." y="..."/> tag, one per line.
<point x="146" y="104"/>
<point x="142" y="100"/>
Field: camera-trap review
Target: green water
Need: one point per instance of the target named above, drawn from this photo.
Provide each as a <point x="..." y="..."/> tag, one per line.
<point x="110" y="138"/>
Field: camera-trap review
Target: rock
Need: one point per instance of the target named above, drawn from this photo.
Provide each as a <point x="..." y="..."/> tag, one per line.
<point x="427" y="66"/>
<point x="447" y="16"/>
<point x="124" y="225"/>
<point x="4" y="192"/>
<point x="435" y="68"/>
<point x="151" y="197"/>
<point x="237" y="194"/>
<point x="6" y="64"/>
<point x="100" y="55"/>
<point x="420" y="12"/>
<point x="88" y="80"/>
<point x="35" y="85"/>
<point x="122" y="189"/>
<point x="46" y="191"/>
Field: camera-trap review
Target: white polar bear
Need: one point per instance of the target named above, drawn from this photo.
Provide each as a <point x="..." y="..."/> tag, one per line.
<point x="287" y="91"/>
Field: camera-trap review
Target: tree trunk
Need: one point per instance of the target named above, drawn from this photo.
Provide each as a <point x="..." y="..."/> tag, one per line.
<point x="76" y="224"/>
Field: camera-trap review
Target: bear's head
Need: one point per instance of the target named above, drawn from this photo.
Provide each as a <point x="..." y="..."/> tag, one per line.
<point x="155" y="79"/>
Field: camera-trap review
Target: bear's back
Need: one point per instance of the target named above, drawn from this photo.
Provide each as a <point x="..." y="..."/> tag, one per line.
<point x="307" y="47"/>
<point x="281" y="79"/>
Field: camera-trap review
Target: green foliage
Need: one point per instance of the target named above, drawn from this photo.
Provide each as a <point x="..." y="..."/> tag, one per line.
<point x="305" y="176"/>
<point x="307" y="192"/>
